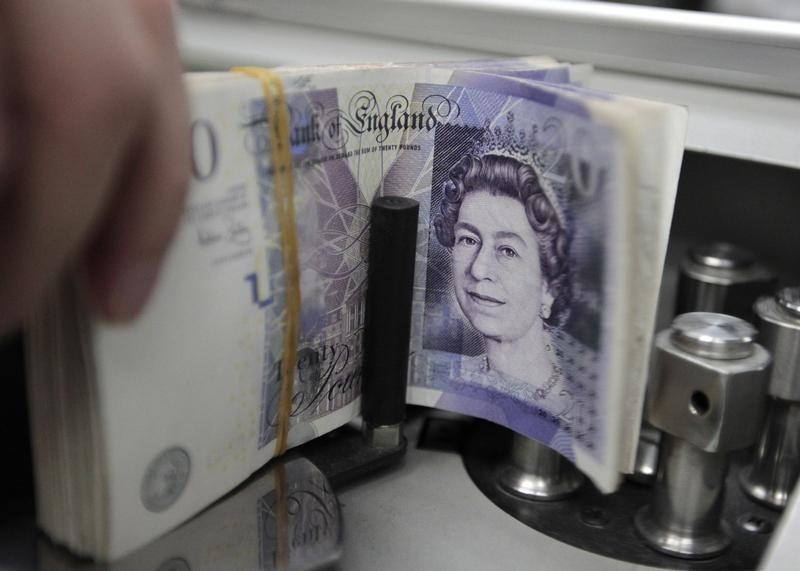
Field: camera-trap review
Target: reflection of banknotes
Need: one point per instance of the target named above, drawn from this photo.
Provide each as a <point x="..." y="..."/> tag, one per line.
<point x="287" y="518"/>
<point x="526" y="257"/>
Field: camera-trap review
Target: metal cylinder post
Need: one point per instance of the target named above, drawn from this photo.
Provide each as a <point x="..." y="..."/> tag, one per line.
<point x="707" y="396"/>
<point x="714" y="277"/>
<point x="684" y="517"/>
<point x="722" y="278"/>
<point x="775" y="468"/>
<point x="537" y="472"/>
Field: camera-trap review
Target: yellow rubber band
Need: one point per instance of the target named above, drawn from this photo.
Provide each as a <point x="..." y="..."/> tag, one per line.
<point x="281" y="156"/>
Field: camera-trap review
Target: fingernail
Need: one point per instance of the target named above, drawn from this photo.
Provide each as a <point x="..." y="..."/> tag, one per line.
<point x="130" y="288"/>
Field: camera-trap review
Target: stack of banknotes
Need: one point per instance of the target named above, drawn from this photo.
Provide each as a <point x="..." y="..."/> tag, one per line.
<point x="544" y="214"/>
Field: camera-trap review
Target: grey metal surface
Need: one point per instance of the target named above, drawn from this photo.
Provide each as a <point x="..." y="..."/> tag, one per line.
<point x="604" y="524"/>
<point x="646" y="463"/>
<point x="716" y="404"/>
<point x="537" y="472"/>
<point x="721" y="255"/>
<point x="388" y="436"/>
<point x="721" y="277"/>
<point x="757" y="126"/>
<point x="789" y="300"/>
<point x="776" y="463"/>
<point x="780" y="333"/>
<point x="717" y="277"/>
<point x="713" y="335"/>
<point x="429" y="515"/>
<point x="745" y="52"/>
<point x="685" y="516"/>
<point x="702" y="405"/>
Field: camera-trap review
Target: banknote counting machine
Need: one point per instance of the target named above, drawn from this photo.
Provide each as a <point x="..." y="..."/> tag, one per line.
<point x="426" y="489"/>
<point x="440" y="491"/>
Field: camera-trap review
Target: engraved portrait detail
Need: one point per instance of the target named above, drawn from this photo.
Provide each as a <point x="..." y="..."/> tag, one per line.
<point x="508" y="253"/>
<point x="500" y="286"/>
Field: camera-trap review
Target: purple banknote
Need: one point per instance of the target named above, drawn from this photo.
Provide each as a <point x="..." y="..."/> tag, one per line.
<point x="511" y="293"/>
<point x="527" y="192"/>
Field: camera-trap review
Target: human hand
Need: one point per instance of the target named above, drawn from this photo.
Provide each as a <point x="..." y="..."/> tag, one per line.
<point x="94" y="149"/>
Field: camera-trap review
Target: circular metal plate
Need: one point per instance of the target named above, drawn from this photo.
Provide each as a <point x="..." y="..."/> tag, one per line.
<point x="721" y="255"/>
<point x="788" y="299"/>
<point x="604" y="524"/>
<point x="713" y="335"/>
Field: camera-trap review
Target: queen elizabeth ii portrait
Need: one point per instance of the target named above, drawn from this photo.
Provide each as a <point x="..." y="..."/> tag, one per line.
<point x="508" y="248"/>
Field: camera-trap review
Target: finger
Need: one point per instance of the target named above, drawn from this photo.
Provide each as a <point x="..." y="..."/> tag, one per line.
<point x="81" y="91"/>
<point x="124" y="259"/>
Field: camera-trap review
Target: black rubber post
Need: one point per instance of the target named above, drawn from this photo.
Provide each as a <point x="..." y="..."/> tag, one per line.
<point x="390" y="282"/>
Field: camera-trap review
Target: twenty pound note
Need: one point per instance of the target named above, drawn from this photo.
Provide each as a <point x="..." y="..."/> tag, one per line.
<point x="524" y="284"/>
<point x="514" y="305"/>
<point x="543" y="219"/>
